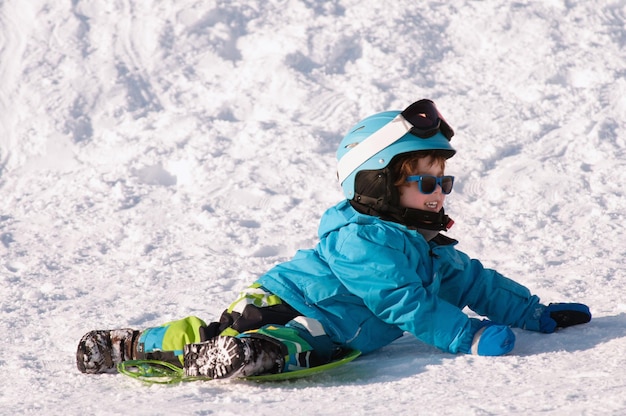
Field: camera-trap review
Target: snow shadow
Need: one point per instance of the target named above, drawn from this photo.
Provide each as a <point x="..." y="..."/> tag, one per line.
<point x="577" y="338"/>
<point x="406" y="357"/>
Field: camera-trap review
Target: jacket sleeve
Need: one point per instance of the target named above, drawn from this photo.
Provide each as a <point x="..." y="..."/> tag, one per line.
<point x="371" y="262"/>
<point x="466" y="282"/>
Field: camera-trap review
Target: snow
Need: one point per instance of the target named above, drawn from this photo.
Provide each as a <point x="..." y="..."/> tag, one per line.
<point x="157" y="156"/>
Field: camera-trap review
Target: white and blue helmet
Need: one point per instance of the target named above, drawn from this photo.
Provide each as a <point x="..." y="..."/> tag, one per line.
<point x="373" y="142"/>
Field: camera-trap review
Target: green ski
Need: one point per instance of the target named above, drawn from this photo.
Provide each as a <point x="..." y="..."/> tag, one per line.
<point x="161" y="372"/>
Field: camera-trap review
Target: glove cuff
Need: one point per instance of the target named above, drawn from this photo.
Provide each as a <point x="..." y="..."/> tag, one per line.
<point x="465" y="339"/>
<point x="533" y="320"/>
<point x="476" y="341"/>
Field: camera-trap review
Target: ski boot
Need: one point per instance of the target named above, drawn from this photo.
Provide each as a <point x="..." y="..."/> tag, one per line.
<point x="100" y="351"/>
<point x="230" y="357"/>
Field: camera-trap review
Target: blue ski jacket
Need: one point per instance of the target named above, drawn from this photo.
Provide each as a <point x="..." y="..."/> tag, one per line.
<point x="368" y="281"/>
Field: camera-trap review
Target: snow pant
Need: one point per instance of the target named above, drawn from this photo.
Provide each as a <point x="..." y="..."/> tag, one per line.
<point x="255" y="313"/>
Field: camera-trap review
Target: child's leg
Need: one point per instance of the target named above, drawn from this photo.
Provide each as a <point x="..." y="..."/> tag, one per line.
<point x="270" y="336"/>
<point x="300" y="343"/>
<point x="100" y="351"/>
<point x="166" y="342"/>
<point x="304" y="341"/>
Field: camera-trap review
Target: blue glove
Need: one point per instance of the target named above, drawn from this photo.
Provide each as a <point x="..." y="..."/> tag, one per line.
<point x="491" y="339"/>
<point x="562" y="315"/>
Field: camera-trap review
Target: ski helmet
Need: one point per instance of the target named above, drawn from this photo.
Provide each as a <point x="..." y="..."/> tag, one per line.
<point x="372" y="143"/>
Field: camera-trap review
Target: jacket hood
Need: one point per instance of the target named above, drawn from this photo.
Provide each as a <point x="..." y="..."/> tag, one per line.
<point x="343" y="214"/>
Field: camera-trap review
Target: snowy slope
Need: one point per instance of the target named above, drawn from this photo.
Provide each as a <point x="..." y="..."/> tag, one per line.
<point x="157" y="156"/>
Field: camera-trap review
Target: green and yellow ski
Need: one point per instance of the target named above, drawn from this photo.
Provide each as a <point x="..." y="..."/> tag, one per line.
<point x="161" y="372"/>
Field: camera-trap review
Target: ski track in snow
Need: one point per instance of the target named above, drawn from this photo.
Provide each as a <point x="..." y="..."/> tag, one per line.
<point x="157" y="156"/>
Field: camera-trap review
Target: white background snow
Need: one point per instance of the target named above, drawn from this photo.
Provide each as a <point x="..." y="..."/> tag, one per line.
<point x="157" y="156"/>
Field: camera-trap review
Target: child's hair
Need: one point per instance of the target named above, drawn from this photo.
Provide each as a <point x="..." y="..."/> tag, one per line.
<point x="406" y="165"/>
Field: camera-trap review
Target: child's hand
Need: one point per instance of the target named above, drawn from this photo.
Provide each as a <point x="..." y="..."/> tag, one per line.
<point x="491" y="339"/>
<point x="562" y="315"/>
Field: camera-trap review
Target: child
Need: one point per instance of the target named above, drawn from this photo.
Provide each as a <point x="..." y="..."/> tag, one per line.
<point x="380" y="269"/>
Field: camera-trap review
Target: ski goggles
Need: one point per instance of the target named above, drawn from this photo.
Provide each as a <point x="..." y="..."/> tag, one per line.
<point x="426" y="120"/>
<point x="427" y="184"/>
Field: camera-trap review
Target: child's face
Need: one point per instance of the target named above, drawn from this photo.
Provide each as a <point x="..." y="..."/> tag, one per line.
<point x="410" y="195"/>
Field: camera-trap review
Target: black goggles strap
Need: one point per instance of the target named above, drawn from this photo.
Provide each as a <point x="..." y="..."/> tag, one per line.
<point x="426" y="120"/>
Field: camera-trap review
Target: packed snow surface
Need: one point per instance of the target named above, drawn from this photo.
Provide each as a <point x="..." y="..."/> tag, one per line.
<point x="158" y="155"/>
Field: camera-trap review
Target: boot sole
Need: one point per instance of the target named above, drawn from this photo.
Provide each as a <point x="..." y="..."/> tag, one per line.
<point x="218" y="358"/>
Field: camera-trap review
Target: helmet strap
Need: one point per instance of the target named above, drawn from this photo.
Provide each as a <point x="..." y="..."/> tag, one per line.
<point x="427" y="220"/>
<point x="411" y="217"/>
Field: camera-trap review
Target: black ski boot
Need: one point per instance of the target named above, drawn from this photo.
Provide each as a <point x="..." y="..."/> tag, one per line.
<point x="100" y="351"/>
<point x="230" y="357"/>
